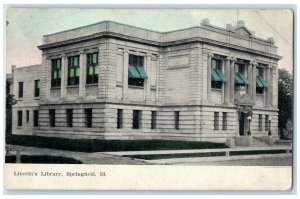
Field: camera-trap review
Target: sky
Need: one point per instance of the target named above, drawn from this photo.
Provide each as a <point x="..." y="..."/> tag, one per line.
<point x="26" y="26"/>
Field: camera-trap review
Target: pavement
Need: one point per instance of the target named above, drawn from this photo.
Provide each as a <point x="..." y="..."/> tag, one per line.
<point x="117" y="158"/>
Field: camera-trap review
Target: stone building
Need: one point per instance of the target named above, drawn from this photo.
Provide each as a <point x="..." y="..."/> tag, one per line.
<point x="114" y="81"/>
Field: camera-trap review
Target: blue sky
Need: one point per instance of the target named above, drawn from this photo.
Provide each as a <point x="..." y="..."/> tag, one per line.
<point x="27" y="26"/>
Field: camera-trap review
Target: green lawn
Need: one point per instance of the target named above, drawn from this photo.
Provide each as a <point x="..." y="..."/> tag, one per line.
<point x="94" y="145"/>
<point x="42" y="159"/>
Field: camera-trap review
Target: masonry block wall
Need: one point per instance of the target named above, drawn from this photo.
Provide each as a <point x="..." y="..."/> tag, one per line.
<point x="176" y="95"/>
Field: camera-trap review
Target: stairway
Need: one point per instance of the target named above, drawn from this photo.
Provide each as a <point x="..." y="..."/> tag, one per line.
<point x="261" y="142"/>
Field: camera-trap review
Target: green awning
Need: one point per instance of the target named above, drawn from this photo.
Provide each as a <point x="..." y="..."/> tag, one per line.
<point x="133" y="73"/>
<point x="238" y="80"/>
<point x="215" y="76"/>
<point x="142" y="72"/>
<point x="264" y="83"/>
<point x="221" y="75"/>
<point x="243" y="78"/>
<point x="259" y="83"/>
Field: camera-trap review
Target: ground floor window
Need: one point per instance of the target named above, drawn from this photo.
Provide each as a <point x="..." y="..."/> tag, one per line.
<point x="177" y="120"/>
<point x="69" y="117"/>
<point x="27" y="116"/>
<point x="260" y="126"/>
<point x="266" y="122"/>
<point x="36" y="118"/>
<point x="120" y="119"/>
<point x="136" y="119"/>
<point x="52" y="117"/>
<point x="20" y="114"/>
<point x="88" y="117"/>
<point x="224" y="121"/>
<point x="216" y="120"/>
<point x="153" y="119"/>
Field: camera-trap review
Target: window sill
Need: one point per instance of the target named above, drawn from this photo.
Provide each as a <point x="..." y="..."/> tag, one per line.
<point x="36" y="98"/>
<point x="73" y="86"/>
<point x="216" y="89"/>
<point x="136" y="87"/>
<point x="55" y="88"/>
<point x="90" y="85"/>
<point x="259" y="94"/>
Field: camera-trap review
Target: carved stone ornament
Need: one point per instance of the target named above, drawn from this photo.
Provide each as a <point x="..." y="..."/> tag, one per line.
<point x="244" y="100"/>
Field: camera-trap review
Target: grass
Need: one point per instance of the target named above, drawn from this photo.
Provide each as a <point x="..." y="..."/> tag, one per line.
<point x="95" y="145"/>
<point x="256" y="152"/>
<point x="42" y="159"/>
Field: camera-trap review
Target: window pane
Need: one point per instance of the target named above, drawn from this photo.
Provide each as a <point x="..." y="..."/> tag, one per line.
<point x="77" y="72"/>
<point x="55" y="75"/>
<point x="95" y="55"/>
<point x="91" y="70"/>
<point x="214" y="64"/>
<point x="71" y="72"/>
<point x="96" y="69"/>
<point x="75" y="61"/>
<point x="58" y="63"/>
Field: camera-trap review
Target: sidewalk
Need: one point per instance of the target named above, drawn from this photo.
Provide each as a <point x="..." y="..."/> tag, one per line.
<point x="85" y="158"/>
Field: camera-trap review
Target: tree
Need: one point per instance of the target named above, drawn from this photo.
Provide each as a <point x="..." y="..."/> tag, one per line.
<point x="10" y="101"/>
<point x="285" y="99"/>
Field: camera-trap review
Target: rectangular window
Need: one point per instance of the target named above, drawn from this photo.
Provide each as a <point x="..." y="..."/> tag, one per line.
<point x="240" y="79"/>
<point x="88" y="117"/>
<point x="176" y="113"/>
<point x="260" y="125"/>
<point x="153" y="119"/>
<point x="136" y="114"/>
<point x="20" y="89"/>
<point x="20" y="115"/>
<point x="136" y="72"/>
<point x="27" y="116"/>
<point x="224" y="121"/>
<point x="92" y="68"/>
<point x="216" y="120"/>
<point x="261" y="84"/>
<point x="266" y="122"/>
<point x="120" y="119"/>
<point x="69" y="117"/>
<point x="36" y="88"/>
<point x="56" y="72"/>
<point x="36" y="118"/>
<point x="73" y="70"/>
<point x="52" y="117"/>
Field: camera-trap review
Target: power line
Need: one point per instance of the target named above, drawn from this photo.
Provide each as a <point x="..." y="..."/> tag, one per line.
<point x="274" y="28"/>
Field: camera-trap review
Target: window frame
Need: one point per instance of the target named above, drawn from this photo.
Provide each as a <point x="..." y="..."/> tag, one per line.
<point x="136" y="117"/>
<point x="37" y="86"/>
<point x="35" y="118"/>
<point x="20" y="118"/>
<point x="119" y="118"/>
<point x="153" y="119"/>
<point x="20" y="89"/>
<point x="94" y="77"/>
<point x="52" y="117"/>
<point x="88" y="112"/>
<point x="56" y="70"/>
<point x="74" y="80"/>
<point x="260" y="68"/>
<point x="224" y="121"/>
<point x="69" y="115"/>
<point x="27" y="116"/>
<point x="260" y="122"/>
<point x="266" y="122"/>
<point x="219" y="65"/>
<point x="216" y="120"/>
<point x="177" y="119"/>
<point x="136" y="61"/>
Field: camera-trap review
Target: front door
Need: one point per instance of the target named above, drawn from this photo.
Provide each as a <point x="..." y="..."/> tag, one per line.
<point x="242" y="122"/>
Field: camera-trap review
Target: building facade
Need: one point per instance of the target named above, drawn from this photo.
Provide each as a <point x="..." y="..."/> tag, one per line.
<point x="114" y="81"/>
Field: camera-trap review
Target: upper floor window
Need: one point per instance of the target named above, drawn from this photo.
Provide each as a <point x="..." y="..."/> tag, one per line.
<point x="73" y="70"/>
<point x="20" y="93"/>
<point x="37" y="88"/>
<point x="239" y="77"/>
<point x="92" y="68"/>
<point x="136" y="71"/>
<point x="261" y="84"/>
<point x="218" y="77"/>
<point x="56" y="72"/>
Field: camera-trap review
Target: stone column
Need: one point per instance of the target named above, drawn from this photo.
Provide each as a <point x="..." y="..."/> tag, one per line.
<point x="48" y="77"/>
<point x="64" y="76"/>
<point x="250" y="77"/>
<point x="267" y="95"/>
<point x="125" y="74"/>
<point x="209" y="76"/>
<point x="254" y="71"/>
<point x="270" y="84"/>
<point x="147" y="94"/>
<point x="82" y="77"/>
<point x="232" y="62"/>
<point x="229" y="80"/>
